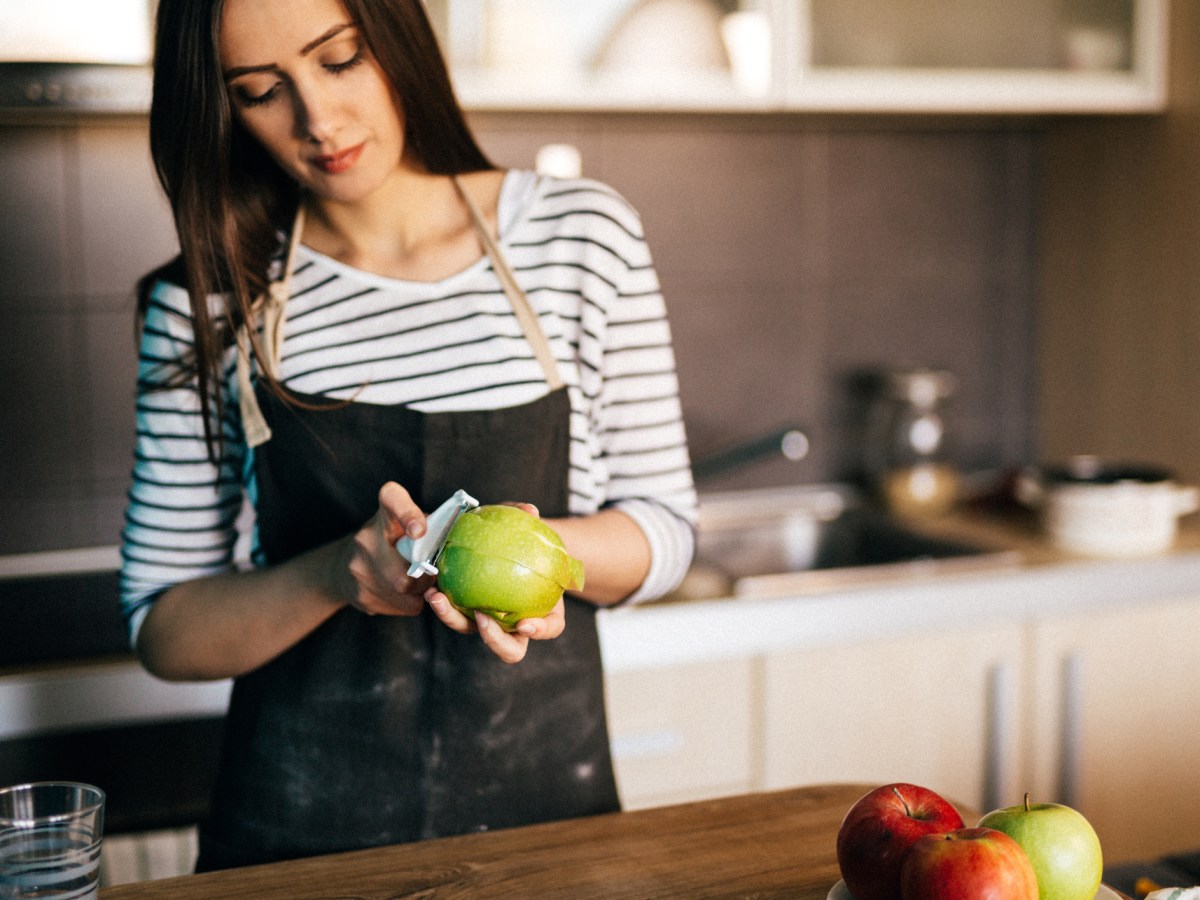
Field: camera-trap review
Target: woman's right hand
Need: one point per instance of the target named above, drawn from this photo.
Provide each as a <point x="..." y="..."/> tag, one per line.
<point x="228" y="624"/>
<point x="379" y="579"/>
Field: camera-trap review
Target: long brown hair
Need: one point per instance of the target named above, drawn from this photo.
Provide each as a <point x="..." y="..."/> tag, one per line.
<point x="229" y="198"/>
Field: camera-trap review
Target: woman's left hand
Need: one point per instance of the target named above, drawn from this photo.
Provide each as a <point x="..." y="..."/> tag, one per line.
<point x="510" y="646"/>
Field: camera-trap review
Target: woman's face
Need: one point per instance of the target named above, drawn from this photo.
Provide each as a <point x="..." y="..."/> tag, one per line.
<point x="303" y="82"/>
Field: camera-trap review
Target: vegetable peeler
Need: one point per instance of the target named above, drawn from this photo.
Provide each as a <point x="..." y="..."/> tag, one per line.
<point x="423" y="552"/>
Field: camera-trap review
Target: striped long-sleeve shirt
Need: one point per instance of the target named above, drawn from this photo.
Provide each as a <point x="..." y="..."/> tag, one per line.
<point x="579" y="252"/>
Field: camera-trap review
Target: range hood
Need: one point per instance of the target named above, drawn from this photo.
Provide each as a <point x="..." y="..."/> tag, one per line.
<point x="75" y="56"/>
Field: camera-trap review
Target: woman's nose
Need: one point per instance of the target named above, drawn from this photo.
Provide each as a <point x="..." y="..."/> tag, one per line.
<point x="316" y="113"/>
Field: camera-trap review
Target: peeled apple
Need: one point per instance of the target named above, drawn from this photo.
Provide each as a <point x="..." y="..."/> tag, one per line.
<point x="507" y="563"/>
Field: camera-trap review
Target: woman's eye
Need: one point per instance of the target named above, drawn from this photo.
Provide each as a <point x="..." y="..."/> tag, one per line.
<point x="250" y="98"/>
<point x="345" y="65"/>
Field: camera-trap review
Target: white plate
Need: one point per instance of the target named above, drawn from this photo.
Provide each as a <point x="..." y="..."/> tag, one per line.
<point x="840" y="892"/>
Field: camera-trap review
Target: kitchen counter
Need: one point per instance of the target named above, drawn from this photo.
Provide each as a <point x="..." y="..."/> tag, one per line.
<point x="111" y="691"/>
<point x="1004" y="635"/>
<point x="1065" y="676"/>
<point x="770" y="844"/>
<point x="777" y="844"/>
<point x="1018" y="530"/>
<point x="1035" y="580"/>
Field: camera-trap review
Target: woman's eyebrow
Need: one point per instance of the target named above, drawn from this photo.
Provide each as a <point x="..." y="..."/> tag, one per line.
<point x="327" y="36"/>
<point x="308" y="48"/>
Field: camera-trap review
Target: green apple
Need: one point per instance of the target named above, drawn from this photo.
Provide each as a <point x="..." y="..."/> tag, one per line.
<point x="507" y="563"/>
<point x="1061" y="844"/>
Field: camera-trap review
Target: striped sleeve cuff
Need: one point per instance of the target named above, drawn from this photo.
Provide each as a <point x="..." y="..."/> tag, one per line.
<point x="134" y="623"/>
<point x="672" y="543"/>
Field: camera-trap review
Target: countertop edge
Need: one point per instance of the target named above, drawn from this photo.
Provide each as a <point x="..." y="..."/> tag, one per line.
<point x="660" y="635"/>
<point x="655" y="636"/>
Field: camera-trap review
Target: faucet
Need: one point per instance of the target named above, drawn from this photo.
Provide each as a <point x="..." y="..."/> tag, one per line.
<point x="791" y="442"/>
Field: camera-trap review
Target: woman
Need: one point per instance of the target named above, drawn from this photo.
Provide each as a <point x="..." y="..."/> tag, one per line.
<point x="343" y="344"/>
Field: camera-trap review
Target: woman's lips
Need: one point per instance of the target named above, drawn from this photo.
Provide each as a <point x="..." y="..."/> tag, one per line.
<point x="335" y="163"/>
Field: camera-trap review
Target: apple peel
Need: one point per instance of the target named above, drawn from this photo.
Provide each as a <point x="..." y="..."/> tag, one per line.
<point x="535" y="546"/>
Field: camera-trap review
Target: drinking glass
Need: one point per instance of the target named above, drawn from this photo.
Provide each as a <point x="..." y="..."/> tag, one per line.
<point x="50" y="834"/>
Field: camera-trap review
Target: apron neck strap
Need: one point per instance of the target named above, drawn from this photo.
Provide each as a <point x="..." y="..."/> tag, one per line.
<point x="517" y="298"/>
<point x="272" y="306"/>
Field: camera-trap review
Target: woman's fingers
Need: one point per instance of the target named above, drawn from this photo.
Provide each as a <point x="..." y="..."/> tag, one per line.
<point x="402" y="515"/>
<point x="447" y="613"/>
<point x="509" y="647"/>
<point x="547" y="627"/>
<point x="381" y="583"/>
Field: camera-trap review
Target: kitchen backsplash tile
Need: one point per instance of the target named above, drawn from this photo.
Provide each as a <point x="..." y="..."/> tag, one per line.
<point x="50" y="515"/>
<point x="508" y="139"/>
<point x="36" y="216"/>
<point x="794" y="256"/>
<point x="721" y="207"/>
<point x="40" y="410"/>
<point x="107" y="509"/>
<point x="737" y="378"/>
<point x="110" y="354"/>
<point x="792" y="252"/>
<point x="931" y="264"/>
<point x="114" y="164"/>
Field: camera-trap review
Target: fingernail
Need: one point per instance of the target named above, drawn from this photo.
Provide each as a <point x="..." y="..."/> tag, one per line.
<point x="527" y="629"/>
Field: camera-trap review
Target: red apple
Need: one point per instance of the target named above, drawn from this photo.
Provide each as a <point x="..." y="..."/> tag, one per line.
<point x="968" y="864"/>
<point x="878" y="831"/>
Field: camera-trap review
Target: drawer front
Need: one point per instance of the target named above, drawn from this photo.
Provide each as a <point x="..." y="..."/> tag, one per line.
<point x="683" y="733"/>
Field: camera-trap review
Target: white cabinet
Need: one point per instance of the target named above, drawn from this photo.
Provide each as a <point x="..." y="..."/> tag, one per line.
<point x="1114" y="724"/>
<point x="1021" y="56"/>
<point x="683" y="733"/>
<point x="608" y="54"/>
<point x="808" y="55"/>
<point x="1073" y="679"/>
<point x="939" y="709"/>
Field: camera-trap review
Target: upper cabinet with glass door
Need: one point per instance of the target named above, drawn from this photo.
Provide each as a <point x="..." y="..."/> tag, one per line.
<point x="984" y="56"/>
<point x="977" y="55"/>
<point x="608" y="54"/>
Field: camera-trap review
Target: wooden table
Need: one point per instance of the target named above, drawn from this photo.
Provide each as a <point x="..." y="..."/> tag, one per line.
<point x="778" y="844"/>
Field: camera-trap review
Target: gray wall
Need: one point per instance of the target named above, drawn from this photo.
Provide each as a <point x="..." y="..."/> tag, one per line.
<point x="80" y="216"/>
<point x="793" y="253"/>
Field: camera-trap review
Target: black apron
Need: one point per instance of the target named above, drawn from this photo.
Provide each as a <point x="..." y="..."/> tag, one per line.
<point x="379" y="730"/>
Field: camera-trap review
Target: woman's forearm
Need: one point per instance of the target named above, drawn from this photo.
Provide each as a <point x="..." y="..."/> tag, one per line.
<point x="230" y="624"/>
<point x="614" y="552"/>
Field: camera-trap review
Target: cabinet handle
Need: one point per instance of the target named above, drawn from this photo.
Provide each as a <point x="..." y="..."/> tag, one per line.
<point x="1001" y="722"/>
<point x="1071" y="729"/>
<point x="646" y="744"/>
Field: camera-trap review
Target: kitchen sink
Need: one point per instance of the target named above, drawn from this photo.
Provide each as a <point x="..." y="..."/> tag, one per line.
<point x="812" y="538"/>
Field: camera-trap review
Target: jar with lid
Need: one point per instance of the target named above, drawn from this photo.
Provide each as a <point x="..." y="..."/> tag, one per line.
<point x="913" y="470"/>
